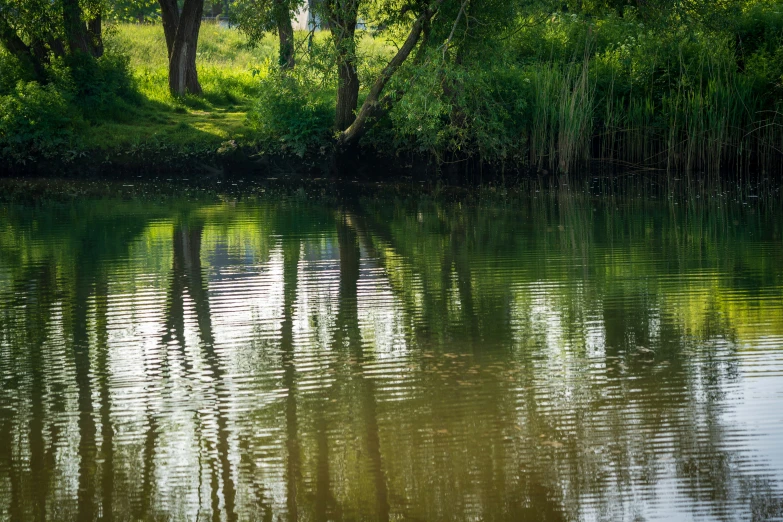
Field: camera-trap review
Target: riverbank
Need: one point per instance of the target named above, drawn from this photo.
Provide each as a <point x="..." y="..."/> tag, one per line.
<point x="566" y="95"/>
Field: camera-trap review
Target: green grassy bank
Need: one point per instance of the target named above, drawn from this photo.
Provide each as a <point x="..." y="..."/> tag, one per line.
<point x="147" y="120"/>
<point x="557" y="95"/>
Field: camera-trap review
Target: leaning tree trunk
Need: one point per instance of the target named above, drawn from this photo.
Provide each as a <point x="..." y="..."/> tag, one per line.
<point x="285" y="30"/>
<point x="373" y="104"/>
<point x="10" y="40"/>
<point x="181" y="31"/>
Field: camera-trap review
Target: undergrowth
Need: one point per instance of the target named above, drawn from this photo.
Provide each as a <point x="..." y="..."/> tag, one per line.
<point x="558" y="96"/>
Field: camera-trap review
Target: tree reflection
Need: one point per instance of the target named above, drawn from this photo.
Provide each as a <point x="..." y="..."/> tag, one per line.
<point x="347" y="335"/>
<point x="293" y="463"/>
<point x="103" y="372"/>
<point x="555" y="361"/>
<point x="187" y="267"/>
<point x="79" y="303"/>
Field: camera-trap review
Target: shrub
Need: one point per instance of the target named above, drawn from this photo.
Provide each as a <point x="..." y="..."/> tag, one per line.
<point x="35" y="121"/>
<point x="102" y="88"/>
<point x="287" y="117"/>
<point x="11" y="71"/>
<point x="473" y="109"/>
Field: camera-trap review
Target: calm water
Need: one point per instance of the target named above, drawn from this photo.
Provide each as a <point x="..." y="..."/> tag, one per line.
<point x="556" y="359"/>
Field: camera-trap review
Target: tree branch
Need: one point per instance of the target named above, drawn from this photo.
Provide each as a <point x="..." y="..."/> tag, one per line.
<point x="370" y="105"/>
<point x="454" y="28"/>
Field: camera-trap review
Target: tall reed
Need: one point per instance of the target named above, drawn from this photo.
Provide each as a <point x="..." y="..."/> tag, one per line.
<point x="709" y="120"/>
<point x="563" y="110"/>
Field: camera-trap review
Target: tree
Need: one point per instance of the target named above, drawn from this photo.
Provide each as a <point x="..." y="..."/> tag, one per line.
<point x="181" y="29"/>
<point x="80" y="36"/>
<point x="258" y="17"/>
<point x="358" y="125"/>
<point x="35" y="30"/>
<point x="342" y="16"/>
<point x="16" y="46"/>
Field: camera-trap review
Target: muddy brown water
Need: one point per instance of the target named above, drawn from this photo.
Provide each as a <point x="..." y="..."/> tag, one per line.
<point x="559" y="358"/>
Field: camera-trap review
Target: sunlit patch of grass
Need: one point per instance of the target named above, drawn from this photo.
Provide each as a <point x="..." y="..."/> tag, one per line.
<point x="227" y="65"/>
<point x="229" y="71"/>
<point x="193" y="128"/>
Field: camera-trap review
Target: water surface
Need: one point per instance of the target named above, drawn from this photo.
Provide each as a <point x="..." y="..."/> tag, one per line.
<point x="558" y="358"/>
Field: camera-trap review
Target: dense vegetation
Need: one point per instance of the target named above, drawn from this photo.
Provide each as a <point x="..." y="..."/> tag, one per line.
<point x="670" y="85"/>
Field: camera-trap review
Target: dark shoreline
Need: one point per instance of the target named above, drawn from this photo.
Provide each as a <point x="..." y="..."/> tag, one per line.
<point x="364" y="166"/>
<point x="234" y="182"/>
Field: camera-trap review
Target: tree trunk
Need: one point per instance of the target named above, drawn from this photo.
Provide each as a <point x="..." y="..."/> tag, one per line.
<point x="95" y="31"/>
<point x="285" y="31"/>
<point x="75" y="29"/>
<point x="170" y="17"/>
<point x="57" y="46"/>
<point x="371" y="104"/>
<point x="347" y="94"/>
<point x="11" y="41"/>
<point x="183" y="78"/>
<point x="342" y="23"/>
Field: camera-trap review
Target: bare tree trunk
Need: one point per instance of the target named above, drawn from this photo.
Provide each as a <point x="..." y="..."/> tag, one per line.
<point x="95" y="31"/>
<point x="75" y="29"/>
<point x="55" y="44"/>
<point x="347" y="94"/>
<point x="183" y="78"/>
<point x="192" y="85"/>
<point x="181" y="31"/>
<point x="343" y="17"/>
<point x="170" y="17"/>
<point x="285" y="30"/>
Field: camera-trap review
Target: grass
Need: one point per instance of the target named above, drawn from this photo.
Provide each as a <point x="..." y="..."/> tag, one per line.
<point x="556" y="97"/>
<point x="229" y="72"/>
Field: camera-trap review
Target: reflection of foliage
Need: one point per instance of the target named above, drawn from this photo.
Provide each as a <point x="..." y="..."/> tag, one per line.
<point x="537" y="358"/>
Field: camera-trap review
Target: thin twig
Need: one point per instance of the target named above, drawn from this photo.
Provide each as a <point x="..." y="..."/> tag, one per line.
<point x="454" y="28"/>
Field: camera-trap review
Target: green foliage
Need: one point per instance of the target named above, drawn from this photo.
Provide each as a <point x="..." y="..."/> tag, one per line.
<point x="225" y="63"/>
<point x="38" y="121"/>
<point x="552" y="85"/>
<point x="287" y="118"/>
<point x="446" y="109"/>
<point x="257" y="18"/>
<point x="33" y="19"/>
<point x="35" y="122"/>
<point x="11" y="73"/>
<point x="102" y="88"/>
<point x="134" y="10"/>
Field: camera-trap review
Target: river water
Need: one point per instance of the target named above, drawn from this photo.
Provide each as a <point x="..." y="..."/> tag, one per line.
<point x="555" y="358"/>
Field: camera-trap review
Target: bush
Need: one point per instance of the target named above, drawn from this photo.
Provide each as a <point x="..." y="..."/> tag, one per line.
<point x="477" y="108"/>
<point x="38" y="121"/>
<point x="102" y="88"/>
<point x="11" y="71"/>
<point x="287" y="118"/>
<point x="35" y="121"/>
